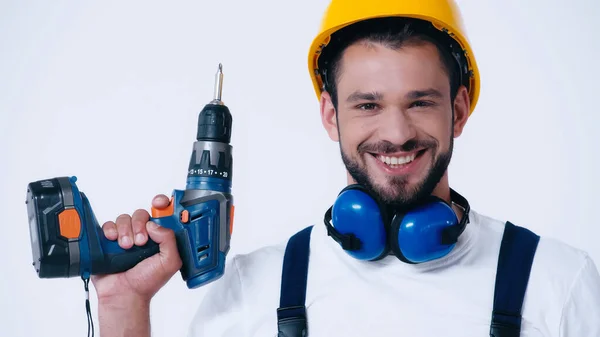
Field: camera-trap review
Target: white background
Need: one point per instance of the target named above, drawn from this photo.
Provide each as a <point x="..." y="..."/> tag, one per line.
<point x="110" y="92"/>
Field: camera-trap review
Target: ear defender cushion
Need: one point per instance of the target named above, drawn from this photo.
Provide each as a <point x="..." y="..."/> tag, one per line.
<point x="356" y="212"/>
<point x="416" y="237"/>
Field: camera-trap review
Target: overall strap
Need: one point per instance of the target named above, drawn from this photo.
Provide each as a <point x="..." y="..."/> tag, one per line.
<point x="291" y="314"/>
<point x="517" y="252"/>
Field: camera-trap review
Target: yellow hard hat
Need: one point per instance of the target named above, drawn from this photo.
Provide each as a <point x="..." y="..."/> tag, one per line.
<point x="443" y="14"/>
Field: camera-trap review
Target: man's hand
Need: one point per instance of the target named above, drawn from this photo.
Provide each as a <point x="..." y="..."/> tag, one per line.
<point x="124" y="298"/>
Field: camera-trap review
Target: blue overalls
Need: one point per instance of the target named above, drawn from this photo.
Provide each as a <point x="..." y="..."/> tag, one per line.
<point x="517" y="251"/>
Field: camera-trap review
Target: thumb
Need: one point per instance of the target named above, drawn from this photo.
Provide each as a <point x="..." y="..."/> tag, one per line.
<point x="161" y="201"/>
<point x="165" y="237"/>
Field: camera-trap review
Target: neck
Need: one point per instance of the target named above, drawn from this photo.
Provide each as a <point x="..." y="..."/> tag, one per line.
<point x="442" y="191"/>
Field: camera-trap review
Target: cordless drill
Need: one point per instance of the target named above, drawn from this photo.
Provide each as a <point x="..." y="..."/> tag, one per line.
<point x="67" y="240"/>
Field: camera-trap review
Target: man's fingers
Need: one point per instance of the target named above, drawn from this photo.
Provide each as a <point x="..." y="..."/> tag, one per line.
<point x="125" y="231"/>
<point x="138" y="224"/>
<point x="110" y="230"/>
<point x="160" y="201"/>
<point x="168" y="246"/>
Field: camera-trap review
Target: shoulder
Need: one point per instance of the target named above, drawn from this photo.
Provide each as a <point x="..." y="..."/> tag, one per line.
<point x="565" y="286"/>
<point x="267" y="261"/>
<point x="553" y="257"/>
<point x="554" y="260"/>
<point x="564" y="279"/>
<point x="260" y="264"/>
<point x="248" y="292"/>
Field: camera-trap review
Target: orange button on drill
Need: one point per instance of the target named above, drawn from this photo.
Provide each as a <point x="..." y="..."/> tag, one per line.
<point x="69" y="223"/>
<point x="185" y="216"/>
<point x="160" y="213"/>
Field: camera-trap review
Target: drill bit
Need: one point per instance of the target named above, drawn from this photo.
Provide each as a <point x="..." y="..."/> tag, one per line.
<point x="218" y="85"/>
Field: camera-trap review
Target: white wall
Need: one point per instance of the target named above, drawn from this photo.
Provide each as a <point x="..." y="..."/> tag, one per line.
<point x="110" y="92"/>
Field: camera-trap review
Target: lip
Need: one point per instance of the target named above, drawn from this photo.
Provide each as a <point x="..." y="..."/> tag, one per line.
<point x="398" y="154"/>
<point x="405" y="169"/>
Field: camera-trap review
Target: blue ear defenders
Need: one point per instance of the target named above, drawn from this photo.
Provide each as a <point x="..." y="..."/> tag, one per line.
<point x="369" y="231"/>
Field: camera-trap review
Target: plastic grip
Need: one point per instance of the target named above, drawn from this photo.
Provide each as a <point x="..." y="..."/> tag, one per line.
<point x="117" y="259"/>
<point x="106" y="256"/>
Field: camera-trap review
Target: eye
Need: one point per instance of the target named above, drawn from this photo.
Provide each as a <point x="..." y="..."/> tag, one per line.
<point x="367" y="106"/>
<point x="422" y="104"/>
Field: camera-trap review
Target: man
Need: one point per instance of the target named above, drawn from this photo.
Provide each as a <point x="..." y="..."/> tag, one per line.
<point x="394" y="91"/>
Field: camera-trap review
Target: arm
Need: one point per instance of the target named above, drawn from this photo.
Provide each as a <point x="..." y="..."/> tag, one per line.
<point x="124" y="317"/>
<point x="581" y="312"/>
<point x="124" y="298"/>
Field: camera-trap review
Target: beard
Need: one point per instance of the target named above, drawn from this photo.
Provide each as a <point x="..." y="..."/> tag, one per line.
<point x="396" y="193"/>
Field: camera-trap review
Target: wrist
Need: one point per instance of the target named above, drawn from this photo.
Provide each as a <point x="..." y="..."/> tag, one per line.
<point x="124" y="316"/>
<point x="124" y="302"/>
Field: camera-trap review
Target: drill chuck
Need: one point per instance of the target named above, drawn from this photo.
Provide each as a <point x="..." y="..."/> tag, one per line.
<point x="214" y="124"/>
<point x="214" y="121"/>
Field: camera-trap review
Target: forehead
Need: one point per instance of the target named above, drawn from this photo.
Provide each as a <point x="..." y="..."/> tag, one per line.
<point x="367" y="66"/>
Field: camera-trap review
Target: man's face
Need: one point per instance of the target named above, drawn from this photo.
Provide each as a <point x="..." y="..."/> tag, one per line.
<point x="395" y="120"/>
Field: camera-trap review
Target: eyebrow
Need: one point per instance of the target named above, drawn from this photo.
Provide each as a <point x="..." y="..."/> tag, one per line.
<point x="416" y="94"/>
<point x="364" y="96"/>
<point x="376" y="96"/>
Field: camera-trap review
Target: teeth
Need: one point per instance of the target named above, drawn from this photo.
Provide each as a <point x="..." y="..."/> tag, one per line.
<point x="397" y="160"/>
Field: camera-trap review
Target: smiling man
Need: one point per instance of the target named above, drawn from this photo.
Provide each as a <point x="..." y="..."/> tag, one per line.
<point x="399" y="252"/>
<point x="394" y="102"/>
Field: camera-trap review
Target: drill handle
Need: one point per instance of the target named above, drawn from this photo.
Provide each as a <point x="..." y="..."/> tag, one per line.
<point x="117" y="259"/>
<point x="106" y="256"/>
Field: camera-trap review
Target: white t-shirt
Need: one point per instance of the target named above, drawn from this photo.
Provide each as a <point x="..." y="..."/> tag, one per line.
<point x="450" y="297"/>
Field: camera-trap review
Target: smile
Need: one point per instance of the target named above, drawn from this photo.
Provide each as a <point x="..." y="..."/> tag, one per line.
<point x="393" y="161"/>
<point x="397" y="162"/>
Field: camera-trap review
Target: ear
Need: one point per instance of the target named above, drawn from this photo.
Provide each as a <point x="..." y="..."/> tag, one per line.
<point x="462" y="109"/>
<point x="328" y="116"/>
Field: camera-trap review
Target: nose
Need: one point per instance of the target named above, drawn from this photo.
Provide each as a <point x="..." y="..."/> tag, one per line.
<point x="396" y="127"/>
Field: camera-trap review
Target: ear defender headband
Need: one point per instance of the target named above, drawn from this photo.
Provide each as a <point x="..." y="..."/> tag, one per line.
<point x="366" y="230"/>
